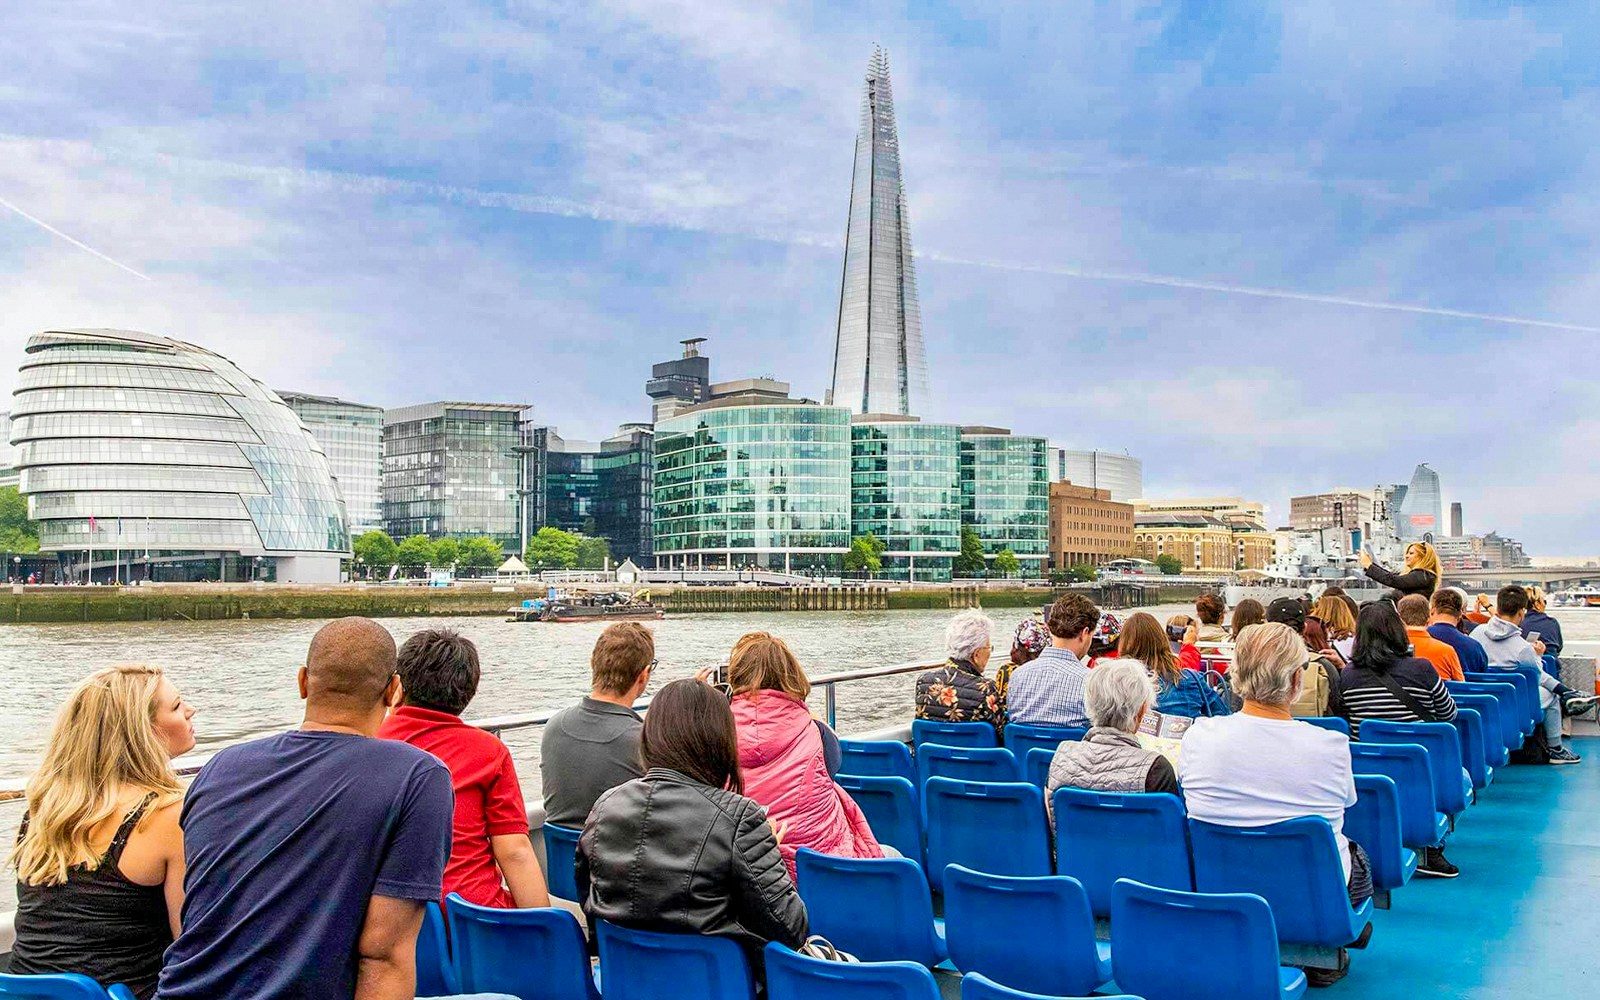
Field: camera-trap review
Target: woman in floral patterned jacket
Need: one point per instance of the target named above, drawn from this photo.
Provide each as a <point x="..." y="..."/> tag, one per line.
<point x="958" y="691"/>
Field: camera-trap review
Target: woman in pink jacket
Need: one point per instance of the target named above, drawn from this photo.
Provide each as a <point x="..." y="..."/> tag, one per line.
<point x="781" y="754"/>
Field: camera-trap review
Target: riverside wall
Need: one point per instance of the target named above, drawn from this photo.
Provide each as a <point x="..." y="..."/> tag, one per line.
<point x="213" y="602"/>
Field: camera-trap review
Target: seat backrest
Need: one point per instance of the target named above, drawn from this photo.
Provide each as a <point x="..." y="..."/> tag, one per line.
<point x="1407" y="764"/>
<point x="436" y="975"/>
<point x="1527" y="717"/>
<point x="1505" y="696"/>
<point x="952" y="734"/>
<point x="1036" y="766"/>
<point x="1494" y="736"/>
<point x="560" y="857"/>
<point x="1469" y="728"/>
<point x="966" y="763"/>
<point x="649" y="965"/>
<point x="892" y="810"/>
<point x="976" y="986"/>
<point x="1021" y="738"/>
<point x="1034" y="933"/>
<point x="997" y="827"/>
<point x="1374" y="823"/>
<point x="876" y="759"/>
<point x="877" y="909"/>
<point x="1443" y="744"/>
<point x="1228" y="943"/>
<point x="62" y="986"/>
<point x="792" y="976"/>
<point x="1329" y="722"/>
<point x="1294" y="865"/>
<point x="1104" y="836"/>
<point x="523" y="953"/>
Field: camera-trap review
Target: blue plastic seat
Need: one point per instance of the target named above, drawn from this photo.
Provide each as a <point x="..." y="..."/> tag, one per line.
<point x="876" y="759"/>
<point x="1105" y="836"/>
<point x="1505" y="696"/>
<point x="436" y="973"/>
<point x="1451" y="788"/>
<point x="62" y="986"/>
<point x="1469" y="727"/>
<point x="966" y="764"/>
<point x="1228" y="945"/>
<point x="560" y="858"/>
<point x="892" y="808"/>
<point x="1294" y="865"/>
<point x="976" y="986"/>
<point x="1374" y="823"/>
<point x="523" y="953"/>
<point x="792" y="976"/>
<point x="1495" y="753"/>
<point x="1331" y="723"/>
<point x="1421" y="824"/>
<point x="649" y="965"/>
<point x="952" y="734"/>
<point x="1030" y="933"/>
<point x="877" y="909"/>
<point x="1036" y="766"/>
<point x="1021" y="737"/>
<point x="996" y="827"/>
<point x="1527" y="719"/>
<point x="1532" y="677"/>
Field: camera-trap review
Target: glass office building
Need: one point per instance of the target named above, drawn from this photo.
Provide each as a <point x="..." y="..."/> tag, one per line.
<point x="1005" y="494"/>
<point x="146" y="458"/>
<point x="601" y="489"/>
<point x="905" y="489"/>
<point x="1421" y="506"/>
<point x="351" y="435"/>
<point x="457" y="470"/>
<point x="1122" y="475"/>
<point x="753" y="486"/>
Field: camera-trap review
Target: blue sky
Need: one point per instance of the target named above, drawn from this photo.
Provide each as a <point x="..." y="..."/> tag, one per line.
<point x="530" y="201"/>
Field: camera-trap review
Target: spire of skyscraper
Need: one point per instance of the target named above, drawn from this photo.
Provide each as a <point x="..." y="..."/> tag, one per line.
<point x="878" y="361"/>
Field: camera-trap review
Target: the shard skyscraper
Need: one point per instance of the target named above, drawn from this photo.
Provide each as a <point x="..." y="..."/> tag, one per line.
<point x="878" y="361"/>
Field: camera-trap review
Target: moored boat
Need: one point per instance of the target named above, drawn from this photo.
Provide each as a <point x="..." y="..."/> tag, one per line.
<point x="584" y="607"/>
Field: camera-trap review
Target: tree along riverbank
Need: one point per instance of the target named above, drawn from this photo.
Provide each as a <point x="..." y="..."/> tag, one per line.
<point x="214" y="602"/>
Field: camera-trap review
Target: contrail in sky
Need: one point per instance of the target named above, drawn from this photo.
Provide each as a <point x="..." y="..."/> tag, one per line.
<point x="47" y="227"/>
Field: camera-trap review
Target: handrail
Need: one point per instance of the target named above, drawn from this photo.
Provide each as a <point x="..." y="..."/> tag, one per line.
<point x="11" y="789"/>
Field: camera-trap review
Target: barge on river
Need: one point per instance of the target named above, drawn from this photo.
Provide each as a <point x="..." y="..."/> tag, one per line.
<point x="585" y="607"/>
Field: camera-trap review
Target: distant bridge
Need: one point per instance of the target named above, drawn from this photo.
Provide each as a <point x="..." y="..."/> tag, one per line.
<point x="1548" y="577"/>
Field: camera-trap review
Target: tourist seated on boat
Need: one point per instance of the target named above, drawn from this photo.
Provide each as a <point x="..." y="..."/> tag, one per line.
<point x="1414" y="610"/>
<point x="782" y="755"/>
<point x="1049" y="691"/>
<point x="1103" y="642"/>
<point x="1501" y="638"/>
<point x="1421" y="575"/>
<point x="593" y="747"/>
<point x="313" y="852"/>
<point x="1246" y="613"/>
<point x="1181" y="687"/>
<point x="99" y="858"/>
<point x="1109" y="758"/>
<point x="682" y="849"/>
<point x="491" y="858"/>
<point x="1027" y="642"/>
<point x="1338" y="621"/>
<point x="1385" y="680"/>
<point x="1548" y="629"/>
<point x="958" y="691"/>
<point x="1261" y="765"/>
<point x="1444" y="624"/>
<point x="1210" y="608"/>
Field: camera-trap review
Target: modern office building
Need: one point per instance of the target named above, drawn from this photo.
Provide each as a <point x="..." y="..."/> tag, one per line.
<point x="351" y="435"/>
<point x="1121" y="475"/>
<point x="753" y="480"/>
<point x="1005" y="494"/>
<point x="459" y="470"/>
<point x="1455" y="520"/>
<point x="1344" y="507"/>
<point x="1419" y="510"/>
<point x="878" y="360"/>
<point x="1087" y="527"/>
<point x="599" y="488"/>
<point x="680" y="383"/>
<point x="146" y="458"/>
<point x="905" y="489"/>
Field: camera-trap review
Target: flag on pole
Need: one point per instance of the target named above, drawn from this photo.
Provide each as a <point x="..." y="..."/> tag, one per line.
<point x="92" y="528"/>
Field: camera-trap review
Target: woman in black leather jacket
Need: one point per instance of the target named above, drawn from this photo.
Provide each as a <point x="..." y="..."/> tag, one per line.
<point x="681" y="850"/>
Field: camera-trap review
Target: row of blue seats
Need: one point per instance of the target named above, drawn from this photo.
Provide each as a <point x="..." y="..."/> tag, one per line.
<point x="63" y="986"/>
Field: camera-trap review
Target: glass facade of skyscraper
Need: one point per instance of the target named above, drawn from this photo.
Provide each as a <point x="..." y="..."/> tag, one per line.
<point x="764" y="486"/>
<point x="905" y="489"/>
<point x="601" y="489"/>
<point x="1421" y="506"/>
<point x="1005" y="494"/>
<point x="455" y="469"/>
<point x="351" y="435"/>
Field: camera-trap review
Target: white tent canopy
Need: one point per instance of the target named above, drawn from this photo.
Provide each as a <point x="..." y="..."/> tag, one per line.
<point x="513" y="567"/>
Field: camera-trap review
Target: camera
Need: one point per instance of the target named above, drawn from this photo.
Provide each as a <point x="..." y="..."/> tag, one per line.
<point x="1175" y="632"/>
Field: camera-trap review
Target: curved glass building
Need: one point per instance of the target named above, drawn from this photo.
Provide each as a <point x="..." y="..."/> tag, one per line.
<point x="146" y="458"/>
<point x="1005" y="494"/>
<point x="753" y="486"/>
<point x="905" y="489"/>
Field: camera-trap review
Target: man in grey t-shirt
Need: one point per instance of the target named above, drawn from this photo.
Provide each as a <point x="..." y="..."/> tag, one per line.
<point x="593" y="746"/>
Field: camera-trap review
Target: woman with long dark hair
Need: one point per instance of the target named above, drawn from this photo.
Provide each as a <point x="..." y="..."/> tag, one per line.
<point x="682" y="850"/>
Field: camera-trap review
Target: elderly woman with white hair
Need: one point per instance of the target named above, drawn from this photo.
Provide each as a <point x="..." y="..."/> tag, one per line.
<point x="1109" y="758"/>
<point x="958" y="691"/>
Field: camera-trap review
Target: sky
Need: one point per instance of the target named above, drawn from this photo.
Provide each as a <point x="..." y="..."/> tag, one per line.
<point x="1269" y="249"/>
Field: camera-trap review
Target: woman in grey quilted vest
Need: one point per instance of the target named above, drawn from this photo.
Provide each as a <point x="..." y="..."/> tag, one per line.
<point x="1109" y="759"/>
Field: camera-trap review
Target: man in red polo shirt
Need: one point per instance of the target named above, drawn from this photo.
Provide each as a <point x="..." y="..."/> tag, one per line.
<point x="439" y="673"/>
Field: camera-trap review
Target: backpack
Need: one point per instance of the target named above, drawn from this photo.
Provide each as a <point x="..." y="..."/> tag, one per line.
<point x="1319" y="690"/>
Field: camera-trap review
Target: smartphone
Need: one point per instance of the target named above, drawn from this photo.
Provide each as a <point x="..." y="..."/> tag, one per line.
<point x="1533" y="637"/>
<point x="1175" y="632"/>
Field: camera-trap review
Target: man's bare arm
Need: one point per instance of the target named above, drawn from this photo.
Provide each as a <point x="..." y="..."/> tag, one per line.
<point x="387" y="949"/>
